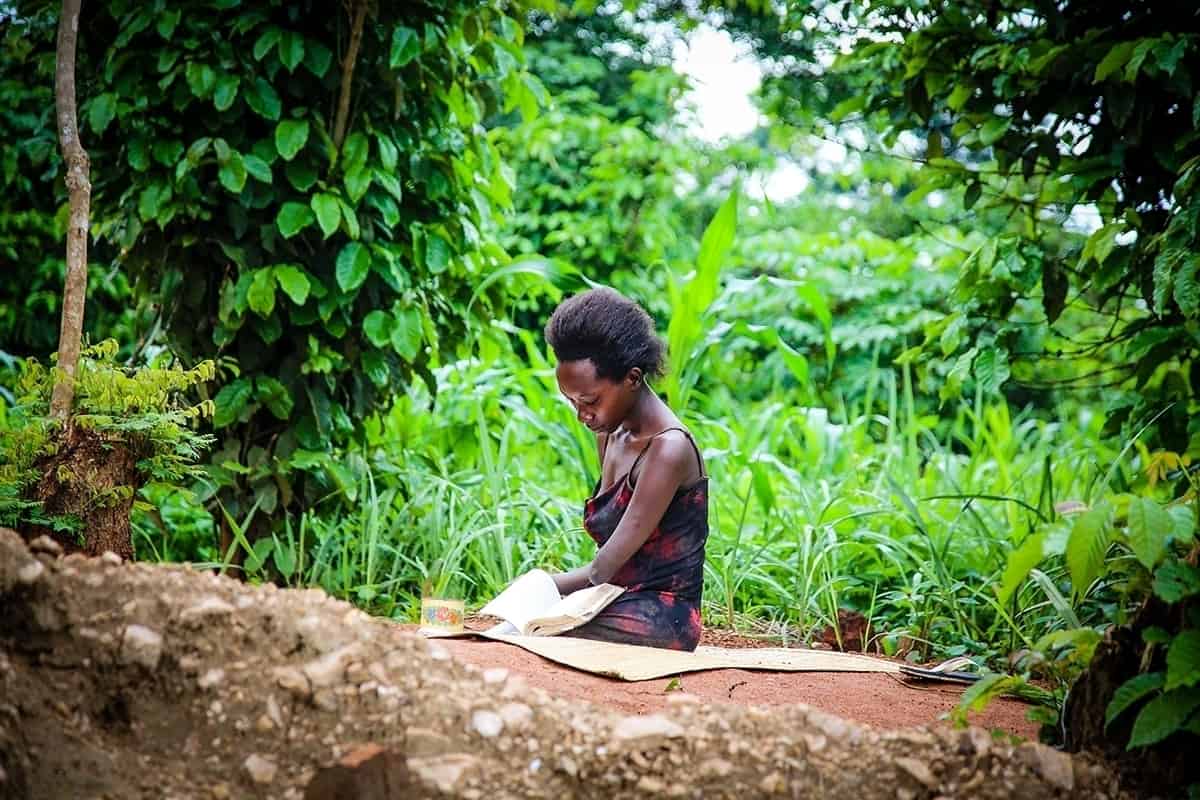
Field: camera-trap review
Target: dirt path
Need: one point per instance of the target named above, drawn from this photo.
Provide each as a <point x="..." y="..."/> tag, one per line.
<point x="144" y="681"/>
<point x="878" y="700"/>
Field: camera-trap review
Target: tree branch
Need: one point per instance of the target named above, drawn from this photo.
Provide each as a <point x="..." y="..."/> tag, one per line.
<point x="79" y="193"/>
<point x="358" y="13"/>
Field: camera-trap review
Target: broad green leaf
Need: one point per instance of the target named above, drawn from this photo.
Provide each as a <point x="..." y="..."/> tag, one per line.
<point x="1087" y="545"/>
<point x="290" y="136"/>
<point x="266" y="42"/>
<point x="353" y="264"/>
<point x="274" y="395"/>
<point x="377" y="325"/>
<point x="437" y="253"/>
<point x="1113" y="61"/>
<point x="294" y="282"/>
<point x="1130" y="692"/>
<point x="405" y="46"/>
<point x="761" y="483"/>
<point x="200" y="78"/>
<point x="167" y="22"/>
<point x="293" y="218"/>
<point x="1183" y="522"/>
<point x="1163" y="716"/>
<point x="291" y="50"/>
<point x="138" y="154"/>
<point x="388" y="154"/>
<point x="1020" y="562"/>
<point x="355" y="151"/>
<point x="317" y="58"/>
<point x="226" y="91"/>
<point x="815" y="300"/>
<point x="1176" y="580"/>
<point x="284" y="556"/>
<point x="992" y="130"/>
<point x="1150" y="528"/>
<point x="261" y="294"/>
<point x="357" y="181"/>
<point x="101" y="112"/>
<point x="232" y="173"/>
<point x="263" y="100"/>
<point x="329" y="214"/>
<point x="301" y="175"/>
<point x="714" y="248"/>
<point x="406" y="333"/>
<point x="991" y="369"/>
<point x="376" y="366"/>
<point x="1183" y="660"/>
<point x="231" y="401"/>
<point x="796" y="363"/>
<point x="260" y="170"/>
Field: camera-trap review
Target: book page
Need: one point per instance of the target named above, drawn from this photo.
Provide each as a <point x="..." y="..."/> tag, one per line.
<point x="573" y="610"/>
<point x="526" y="598"/>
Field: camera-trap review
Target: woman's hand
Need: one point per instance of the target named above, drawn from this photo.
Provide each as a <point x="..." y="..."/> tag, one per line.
<point x="572" y="581"/>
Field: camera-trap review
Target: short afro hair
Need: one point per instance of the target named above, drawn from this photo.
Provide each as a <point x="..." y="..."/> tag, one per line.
<point x="608" y="328"/>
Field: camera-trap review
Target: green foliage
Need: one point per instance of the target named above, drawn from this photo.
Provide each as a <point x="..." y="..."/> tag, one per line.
<point x="145" y="410"/>
<point x="33" y="209"/>
<point x="265" y="241"/>
<point x="1044" y="114"/>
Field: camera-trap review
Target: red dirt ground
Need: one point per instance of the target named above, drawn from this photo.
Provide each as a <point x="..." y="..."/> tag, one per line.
<point x="877" y="699"/>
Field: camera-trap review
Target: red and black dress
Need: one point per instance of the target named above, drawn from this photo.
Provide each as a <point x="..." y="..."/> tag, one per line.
<point x="664" y="579"/>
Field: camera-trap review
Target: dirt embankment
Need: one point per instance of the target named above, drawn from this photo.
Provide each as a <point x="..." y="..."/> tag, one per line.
<point x="121" y="680"/>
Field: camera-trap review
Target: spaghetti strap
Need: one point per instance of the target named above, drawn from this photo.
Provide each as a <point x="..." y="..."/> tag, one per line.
<point x="691" y="441"/>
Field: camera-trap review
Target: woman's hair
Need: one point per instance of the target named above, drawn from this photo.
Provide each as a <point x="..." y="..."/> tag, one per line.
<point x="610" y="329"/>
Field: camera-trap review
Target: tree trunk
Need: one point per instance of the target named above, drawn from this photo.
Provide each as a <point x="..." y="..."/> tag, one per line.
<point x="92" y="480"/>
<point x="79" y="193"/>
<point x="358" y="16"/>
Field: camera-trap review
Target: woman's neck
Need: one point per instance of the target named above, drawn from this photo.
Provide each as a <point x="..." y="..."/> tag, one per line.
<point x="645" y="414"/>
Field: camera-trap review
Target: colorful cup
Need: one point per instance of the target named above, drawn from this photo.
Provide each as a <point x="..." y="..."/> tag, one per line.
<point x="440" y="616"/>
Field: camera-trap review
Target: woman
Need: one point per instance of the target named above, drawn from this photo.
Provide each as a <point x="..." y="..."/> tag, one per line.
<point x="649" y="512"/>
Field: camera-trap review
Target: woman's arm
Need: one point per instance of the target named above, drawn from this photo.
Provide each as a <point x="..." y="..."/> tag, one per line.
<point x="572" y="581"/>
<point x="666" y="466"/>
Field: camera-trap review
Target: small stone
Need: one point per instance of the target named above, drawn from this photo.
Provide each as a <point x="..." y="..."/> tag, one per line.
<point x="321" y="634"/>
<point x="438" y="653"/>
<point x="220" y="791"/>
<point x="815" y="741"/>
<point x="918" y="770"/>
<point x="975" y="740"/>
<point x="487" y="724"/>
<point x="274" y="712"/>
<point x="209" y="606"/>
<point x="330" y="669"/>
<point x="774" y="783"/>
<point x="495" y="675"/>
<point x="44" y="544"/>
<point x="109" y="558"/>
<point x="447" y="772"/>
<point x="682" y="699"/>
<point x="516" y="715"/>
<point x="211" y="678"/>
<point x="261" y="770"/>
<point x="1054" y="766"/>
<point x="638" y="729"/>
<point x="715" y="768"/>
<point x="141" y="645"/>
<point x="30" y="573"/>
<point x="264" y="724"/>
<point x="293" y="680"/>
<point x="425" y="742"/>
<point x="325" y="699"/>
<point x="650" y="785"/>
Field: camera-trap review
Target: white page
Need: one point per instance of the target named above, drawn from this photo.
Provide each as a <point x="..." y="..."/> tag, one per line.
<point x="524" y="599"/>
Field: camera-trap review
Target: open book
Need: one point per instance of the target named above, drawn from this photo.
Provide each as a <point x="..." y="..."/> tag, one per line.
<point x="531" y="605"/>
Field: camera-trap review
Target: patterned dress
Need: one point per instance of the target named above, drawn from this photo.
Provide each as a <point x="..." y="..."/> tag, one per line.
<point x="663" y="580"/>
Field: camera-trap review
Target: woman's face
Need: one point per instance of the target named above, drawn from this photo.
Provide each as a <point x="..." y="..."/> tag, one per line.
<point x="600" y="404"/>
